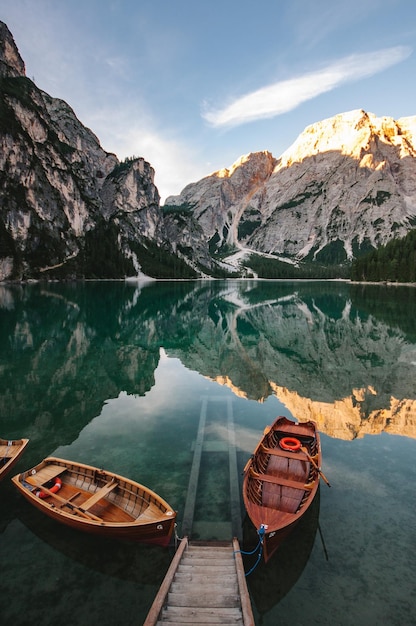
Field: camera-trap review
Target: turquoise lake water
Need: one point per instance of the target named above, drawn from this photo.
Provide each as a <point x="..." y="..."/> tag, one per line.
<point x="117" y="375"/>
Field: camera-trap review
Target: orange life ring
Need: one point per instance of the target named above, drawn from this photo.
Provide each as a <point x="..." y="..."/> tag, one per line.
<point x="290" y="443"/>
<point x="54" y="489"/>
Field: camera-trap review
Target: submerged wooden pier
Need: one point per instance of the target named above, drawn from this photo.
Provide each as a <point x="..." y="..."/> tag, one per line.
<point x="205" y="585"/>
<point x="208" y="447"/>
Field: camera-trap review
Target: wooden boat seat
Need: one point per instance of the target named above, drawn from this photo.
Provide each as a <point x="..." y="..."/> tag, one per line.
<point x="98" y="495"/>
<point x="46" y="474"/>
<point x="298" y="434"/>
<point x="283" y="482"/>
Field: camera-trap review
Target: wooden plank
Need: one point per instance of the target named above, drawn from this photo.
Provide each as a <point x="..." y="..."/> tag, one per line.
<point x="205" y="597"/>
<point x="98" y="495"/>
<point x="234" y="481"/>
<point x="159" y="600"/>
<point x="248" y="617"/>
<point x="282" y="482"/>
<point x="216" y="585"/>
<point x="201" y="578"/>
<point x="189" y="510"/>
<point x="208" y="564"/>
<point x="199" y="616"/>
<point x="45" y="474"/>
<point x="150" y="513"/>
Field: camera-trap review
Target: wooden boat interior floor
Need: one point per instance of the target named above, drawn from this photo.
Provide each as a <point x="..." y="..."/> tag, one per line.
<point x="285" y="476"/>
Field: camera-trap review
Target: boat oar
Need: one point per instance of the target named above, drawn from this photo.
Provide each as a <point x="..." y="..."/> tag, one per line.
<point x="304" y="450"/>
<point x="323" y="542"/>
<point x="73" y="507"/>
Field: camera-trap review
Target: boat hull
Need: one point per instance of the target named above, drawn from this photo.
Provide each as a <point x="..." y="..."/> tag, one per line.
<point x="280" y="483"/>
<point x="156" y="533"/>
<point x="98" y="502"/>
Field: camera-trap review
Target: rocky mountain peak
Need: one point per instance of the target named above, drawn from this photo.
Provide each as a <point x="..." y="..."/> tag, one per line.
<point x="218" y="200"/>
<point x="254" y="162"/>
<point x="11" y="63"/>
<point x="345" y="186"/>
<point x="351" y="134"/>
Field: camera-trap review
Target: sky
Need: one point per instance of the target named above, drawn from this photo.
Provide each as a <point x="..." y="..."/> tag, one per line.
<point x="192" y="86"/>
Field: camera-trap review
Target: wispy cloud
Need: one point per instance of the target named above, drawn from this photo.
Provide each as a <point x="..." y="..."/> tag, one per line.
<point x="134" y="132"/>
<point x="286" y="95"/>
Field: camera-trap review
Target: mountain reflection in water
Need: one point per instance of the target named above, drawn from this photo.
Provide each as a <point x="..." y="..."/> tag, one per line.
<point x="341" y="354"/>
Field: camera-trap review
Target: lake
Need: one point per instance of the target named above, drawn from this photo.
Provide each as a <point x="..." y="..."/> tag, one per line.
<point x="119" y="374"/>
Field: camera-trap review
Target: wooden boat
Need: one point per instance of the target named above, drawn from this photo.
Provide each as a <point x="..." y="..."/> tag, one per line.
<point x="97" y="501"/>
<point x="10" y="452"/>
<point x="281" y="480"/>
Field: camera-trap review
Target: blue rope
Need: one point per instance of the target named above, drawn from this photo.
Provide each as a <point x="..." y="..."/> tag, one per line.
<point x="252" y="551"/>
<point x="255" y="564"/>
<point x="258" y="547"/>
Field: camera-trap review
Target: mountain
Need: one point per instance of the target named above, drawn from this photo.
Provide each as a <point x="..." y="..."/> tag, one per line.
<point x="67" y="207"/>
<point x="347" y="185"/>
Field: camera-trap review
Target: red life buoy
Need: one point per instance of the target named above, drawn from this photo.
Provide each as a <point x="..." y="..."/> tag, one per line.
<point x="56" y="487"/>
<point x="290" y="443"/>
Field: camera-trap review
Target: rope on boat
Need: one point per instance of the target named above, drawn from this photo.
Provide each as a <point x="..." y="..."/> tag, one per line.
<point x="258" y="547"/>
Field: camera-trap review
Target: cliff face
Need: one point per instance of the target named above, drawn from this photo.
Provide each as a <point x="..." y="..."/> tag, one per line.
<point x="60" y="192"/>
<point x="227" y="200"/>
<point x="11" y="63"/>
<point x="346" y="185"/>
<point x="349" y="181"/>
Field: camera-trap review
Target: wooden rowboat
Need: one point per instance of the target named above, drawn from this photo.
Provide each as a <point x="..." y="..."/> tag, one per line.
<point x="97" y="501"/>
<point x="10" y="452"/>
<point x="281" y="480"/>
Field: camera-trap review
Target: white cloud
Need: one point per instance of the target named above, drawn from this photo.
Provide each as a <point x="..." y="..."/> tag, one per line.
<point x="286" y="95"/>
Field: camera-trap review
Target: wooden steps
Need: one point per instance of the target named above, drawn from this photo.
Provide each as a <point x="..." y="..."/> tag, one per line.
<point x="204" y="585"/>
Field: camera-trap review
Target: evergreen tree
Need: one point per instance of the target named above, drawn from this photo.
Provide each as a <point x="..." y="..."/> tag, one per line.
<point x="395" y="262"/>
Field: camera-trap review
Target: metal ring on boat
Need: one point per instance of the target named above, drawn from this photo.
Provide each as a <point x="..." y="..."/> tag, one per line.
<point x="290" y="443"/>
<point x="56" y="487"/>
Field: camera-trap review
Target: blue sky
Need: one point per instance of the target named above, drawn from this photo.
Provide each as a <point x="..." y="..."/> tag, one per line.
<point x="191" y="86"/>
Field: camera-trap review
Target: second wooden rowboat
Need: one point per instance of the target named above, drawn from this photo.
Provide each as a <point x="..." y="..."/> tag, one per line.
<point x="281" y="480"/>
<point x="97" y="501"/>
<point x="10" y="451"/>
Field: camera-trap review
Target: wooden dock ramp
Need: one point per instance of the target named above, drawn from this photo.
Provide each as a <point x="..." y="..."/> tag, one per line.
<point x="205" y="585"/>
<point x="204" y="447"/>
